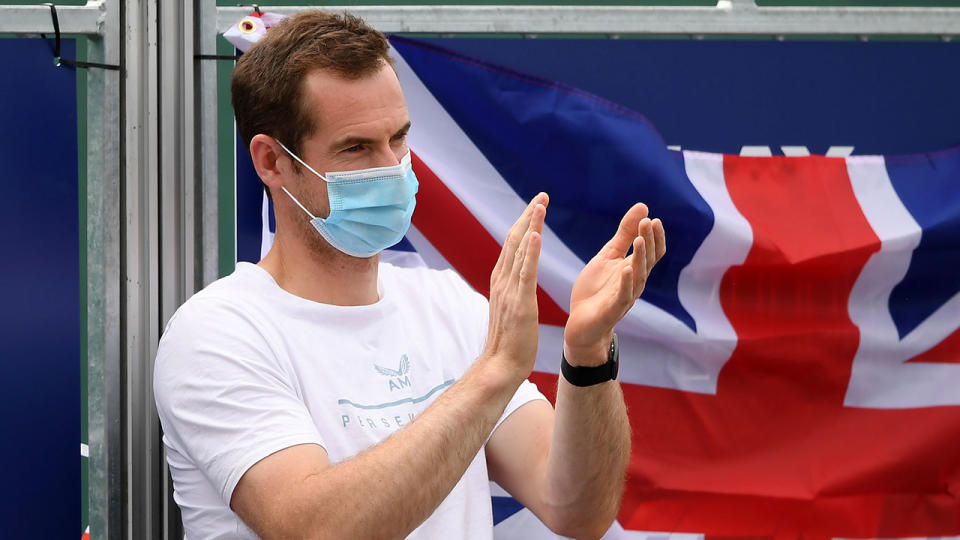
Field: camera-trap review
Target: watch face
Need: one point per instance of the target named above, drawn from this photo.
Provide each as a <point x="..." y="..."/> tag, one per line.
<point x="614" y="356"/>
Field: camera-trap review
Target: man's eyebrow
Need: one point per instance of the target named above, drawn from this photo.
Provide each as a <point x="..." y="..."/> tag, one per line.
<point x="350" y="140"/>
<point x="403" y="130"/>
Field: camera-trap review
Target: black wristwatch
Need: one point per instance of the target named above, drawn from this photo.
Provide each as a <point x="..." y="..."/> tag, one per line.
<point x="589" y="376"/>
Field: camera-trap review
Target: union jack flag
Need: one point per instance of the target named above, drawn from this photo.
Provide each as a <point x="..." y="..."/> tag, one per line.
<point x="793" y="367"/>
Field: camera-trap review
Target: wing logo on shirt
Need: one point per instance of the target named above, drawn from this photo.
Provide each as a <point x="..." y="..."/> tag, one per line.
<point x="399" y="377"/>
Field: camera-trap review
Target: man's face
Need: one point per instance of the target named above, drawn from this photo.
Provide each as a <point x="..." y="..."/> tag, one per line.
<point x="359" y="123"/>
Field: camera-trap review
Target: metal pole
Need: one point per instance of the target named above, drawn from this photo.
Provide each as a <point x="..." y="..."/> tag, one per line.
<point x="205" y="74"/>
<point x="140" y="276"/>
<point x="180" y="199"/>
<point x="104" y="305"/>
<point x="727" y="17"/>
<point x="81" y="20"/>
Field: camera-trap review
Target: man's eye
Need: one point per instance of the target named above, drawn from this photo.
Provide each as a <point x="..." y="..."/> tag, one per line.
<point x="354" y="148"/>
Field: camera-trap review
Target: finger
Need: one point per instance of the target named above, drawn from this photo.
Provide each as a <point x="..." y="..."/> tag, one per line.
<point x="495" y="274"/>
<point x="519" y="257"/>
<point x="646" y="230"/>
<point x="531" y="262"/>
<point x="626" y="295"/>
<point x="537" y="218"/>
<point x="659" y="238"/>
<point x="639" y="264"/>
<point x="618" y="245"/>
<point x="516" y="233"/>
<point x="535" y="226"/>
<point x="540" y="199"/>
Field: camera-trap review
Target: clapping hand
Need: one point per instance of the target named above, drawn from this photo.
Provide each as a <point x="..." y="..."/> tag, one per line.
<point x="610" y="284"/>
<point x="513" y="327"/>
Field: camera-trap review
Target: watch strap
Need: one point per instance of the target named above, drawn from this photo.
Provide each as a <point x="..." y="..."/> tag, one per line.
<point x="591" y="375"/>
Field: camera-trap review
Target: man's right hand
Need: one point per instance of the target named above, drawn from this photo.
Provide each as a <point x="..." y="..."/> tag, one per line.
<point x="513" y="328"/>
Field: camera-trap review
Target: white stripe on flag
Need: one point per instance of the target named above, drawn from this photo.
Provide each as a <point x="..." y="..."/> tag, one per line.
<point x="404" y="259"/>
<point x="525" y="525"/>
<point x="431" y="256"/>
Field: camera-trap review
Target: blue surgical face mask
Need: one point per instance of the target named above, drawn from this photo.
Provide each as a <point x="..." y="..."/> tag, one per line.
<point x="370" y="209"/>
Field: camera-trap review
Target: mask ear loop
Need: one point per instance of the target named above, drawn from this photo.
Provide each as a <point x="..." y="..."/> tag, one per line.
<point x="302" y="207"/>
<point x="284" y="188"/>
<point x="302" y="162"/>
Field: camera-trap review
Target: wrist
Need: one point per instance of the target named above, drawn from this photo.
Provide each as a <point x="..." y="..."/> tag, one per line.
<point x="499" y="373"/>
<point x="590" y="355"/>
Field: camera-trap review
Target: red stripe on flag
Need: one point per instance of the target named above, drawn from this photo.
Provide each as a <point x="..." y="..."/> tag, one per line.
<point x="945" y="352"/>
<point x="775" y="452"/>
<point x="463" y="240"/>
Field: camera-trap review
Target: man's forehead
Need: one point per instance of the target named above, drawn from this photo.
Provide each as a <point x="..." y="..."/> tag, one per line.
<point x="329" y="95"/>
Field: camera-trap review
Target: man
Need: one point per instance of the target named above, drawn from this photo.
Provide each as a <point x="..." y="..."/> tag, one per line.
<point x="322" y="394"/>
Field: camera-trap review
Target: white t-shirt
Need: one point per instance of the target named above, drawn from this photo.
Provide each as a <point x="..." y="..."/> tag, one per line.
<point x="245" y="369"/>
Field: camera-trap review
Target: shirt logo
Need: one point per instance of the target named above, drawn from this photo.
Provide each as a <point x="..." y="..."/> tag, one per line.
<point x="398" y="377"/>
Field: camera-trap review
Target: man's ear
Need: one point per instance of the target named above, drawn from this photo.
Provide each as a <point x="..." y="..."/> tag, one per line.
<point x="268" y="160"/>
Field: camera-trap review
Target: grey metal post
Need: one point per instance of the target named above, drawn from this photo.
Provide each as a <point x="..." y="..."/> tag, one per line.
<point x="188" y="174"/>
<point x="205" y="79"/>
<point x="140" y="276"/>
<point x="727" y="17"/>
<point x="104" y="317"/>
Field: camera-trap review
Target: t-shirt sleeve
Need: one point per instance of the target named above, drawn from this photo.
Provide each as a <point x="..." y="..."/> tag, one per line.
<point x="224" y="399"/>
<point x="526" y="393"/>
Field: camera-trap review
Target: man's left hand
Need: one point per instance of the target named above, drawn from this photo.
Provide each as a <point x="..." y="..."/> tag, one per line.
<point x="610" y="284"/>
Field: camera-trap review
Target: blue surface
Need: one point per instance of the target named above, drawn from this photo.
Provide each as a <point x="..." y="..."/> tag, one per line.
<point x="716" y="96"/>
<point x="504" y="507"/>
<point x="929" y="186"/>
<point x="249" y="206"/>
<point x="40" y="330"/>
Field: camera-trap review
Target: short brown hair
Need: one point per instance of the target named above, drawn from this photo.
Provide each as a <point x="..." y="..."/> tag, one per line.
<point x="267" y="84"/>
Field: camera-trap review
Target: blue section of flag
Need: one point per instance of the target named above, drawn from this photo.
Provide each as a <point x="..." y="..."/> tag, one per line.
<point x="271" y="218"/>
<point x="249" y="205"/>
<point x="504" y="507"/>
<point x="595" y="158"/>
<point x="929" y="186"/>
<point x="403" y="245"/>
